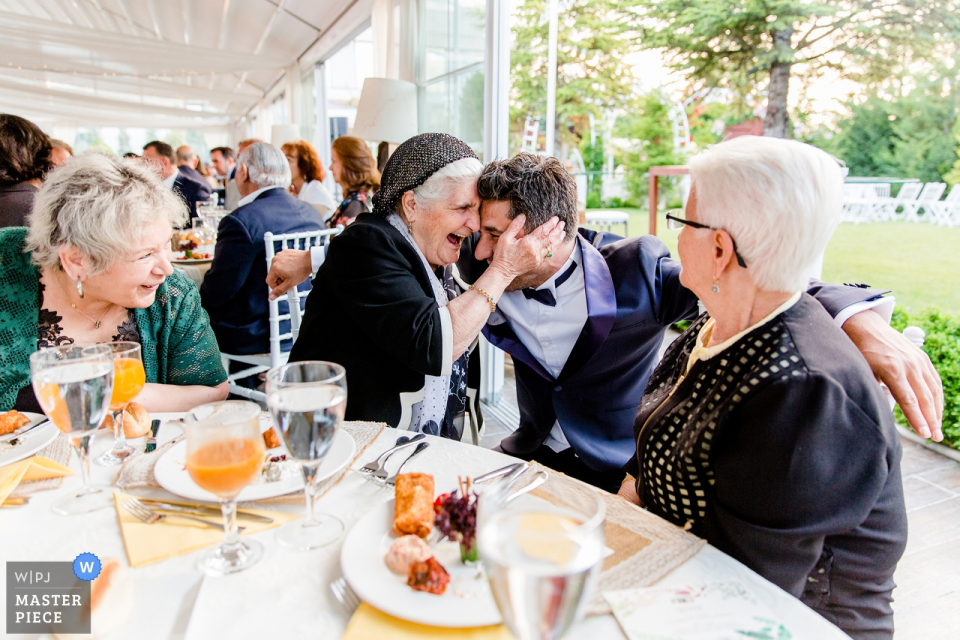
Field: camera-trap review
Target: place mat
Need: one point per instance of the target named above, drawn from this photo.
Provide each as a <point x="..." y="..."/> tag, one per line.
<point x="364" y="434"/>
<point x="150" y="543"/>
<point x="645" y="547"/>
<point x="59" y="451"/>
<point x="369" y="623"/>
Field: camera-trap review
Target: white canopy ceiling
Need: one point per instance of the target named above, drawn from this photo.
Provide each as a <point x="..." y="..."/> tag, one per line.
<point x="191" y="64"/>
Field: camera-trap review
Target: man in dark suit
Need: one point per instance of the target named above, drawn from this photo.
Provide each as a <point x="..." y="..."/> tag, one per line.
<point x="234" y="291"/>
<point x="190" y="190"/>
<point x="585" y="328"/>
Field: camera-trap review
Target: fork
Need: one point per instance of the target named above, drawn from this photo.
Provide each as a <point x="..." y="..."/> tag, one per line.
<point x="392" y="479"/>
<point x="149" y="516"/>
<point x="376" y="466"/>
<point x="345" y="595"/>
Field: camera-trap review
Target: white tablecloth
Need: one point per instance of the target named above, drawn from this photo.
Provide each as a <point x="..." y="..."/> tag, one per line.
<point x="287" y="594"/>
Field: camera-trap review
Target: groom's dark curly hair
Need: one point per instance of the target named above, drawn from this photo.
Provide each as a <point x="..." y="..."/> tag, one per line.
<point x="539" y="187"/>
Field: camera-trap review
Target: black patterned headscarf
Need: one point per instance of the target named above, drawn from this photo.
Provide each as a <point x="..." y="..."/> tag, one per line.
<point x="412" y="163"/>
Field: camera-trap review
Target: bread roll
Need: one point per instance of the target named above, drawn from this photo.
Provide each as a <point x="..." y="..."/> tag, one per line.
<point x="136" y="421"/>
<point x="413" y="512"/>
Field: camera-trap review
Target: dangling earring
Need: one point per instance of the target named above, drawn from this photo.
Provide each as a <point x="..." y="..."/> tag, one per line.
<point x="715" y="288"/>
<point x="79" y="288"/>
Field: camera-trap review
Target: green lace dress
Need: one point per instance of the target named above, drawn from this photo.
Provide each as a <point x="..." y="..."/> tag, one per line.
<point x="177" y="343"/>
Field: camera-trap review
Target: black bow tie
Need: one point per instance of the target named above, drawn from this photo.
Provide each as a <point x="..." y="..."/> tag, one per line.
<point x="545" y="296"/>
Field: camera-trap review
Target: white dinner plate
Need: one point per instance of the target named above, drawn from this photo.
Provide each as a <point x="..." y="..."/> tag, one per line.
<point x="171" y="472"/>
<point x="32" y="442"/>
<point x="177" y="261"/>
<point x="467" y="601"/>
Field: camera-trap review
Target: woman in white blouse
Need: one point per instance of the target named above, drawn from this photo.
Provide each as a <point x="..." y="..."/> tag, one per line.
<point x="307" y="175"/>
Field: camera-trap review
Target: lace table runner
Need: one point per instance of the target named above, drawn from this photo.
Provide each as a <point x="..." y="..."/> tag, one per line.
<point x="645" y="547"/>
<point x="59" y="451"/>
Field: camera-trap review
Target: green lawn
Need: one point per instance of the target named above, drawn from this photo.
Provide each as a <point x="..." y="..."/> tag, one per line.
<point x="919" y="262"/>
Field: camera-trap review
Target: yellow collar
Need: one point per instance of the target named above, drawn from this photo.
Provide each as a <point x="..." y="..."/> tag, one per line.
<point x="701" y="352"/>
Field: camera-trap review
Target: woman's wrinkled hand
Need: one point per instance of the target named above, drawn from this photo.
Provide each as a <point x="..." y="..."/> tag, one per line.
<point x="515" y="256"/>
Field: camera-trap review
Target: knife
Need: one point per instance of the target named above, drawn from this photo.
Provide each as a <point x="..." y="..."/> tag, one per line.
<point x="152" y="438"/>
<point x="14" y="436"/>
<point x="203" y="510"/>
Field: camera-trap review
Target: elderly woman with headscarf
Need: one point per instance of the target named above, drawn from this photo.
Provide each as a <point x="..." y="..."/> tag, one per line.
<point x="763" y="430"/>
<point x="385" y="304"/>
<point x="93" y="267"/>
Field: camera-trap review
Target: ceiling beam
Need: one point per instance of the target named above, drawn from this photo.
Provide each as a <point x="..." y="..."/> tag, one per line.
<point x="224" y="16"/>
<point x="153" y="18"/>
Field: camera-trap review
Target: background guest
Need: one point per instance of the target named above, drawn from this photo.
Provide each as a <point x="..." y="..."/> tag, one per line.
<point x="191" y="191"/>
<point x="24" y="161"/>
<point x="189" y="163"/>
<point x="231" y="194"/>
<point x="788" y="461"/>
<point x="61" y="152"/>
<point x="234" y="291"/>
<point x="307" y="176"/>
<point x="95" y="268"/>
<point x="355" y="170"/>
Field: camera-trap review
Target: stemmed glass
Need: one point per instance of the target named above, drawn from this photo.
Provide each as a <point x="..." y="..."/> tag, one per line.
<point x="542" y="559"/>
<point x="128" y="381"/>
<point x="224" y="454"/>
<point x="73" y="387"/>
<point x="307" y="401"/>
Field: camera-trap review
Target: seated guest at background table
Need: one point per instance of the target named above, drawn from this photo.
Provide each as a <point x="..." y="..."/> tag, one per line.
<point x="307" y="176"/>
<point x="223" y="161"/>
<point x="231" y="195"/>
<point x="234" y="291"/>
<point x="163" y="158"/>
<point x="189" y="163"/>
<point x="384" y="303"/>
<point x="24" y="161"/>
<point x="355" y="170"/>
<point x="61" y="152"/>
<point x="94" y="267"/>
<point x="585" y="329"/>
<point x="763" y="430"/>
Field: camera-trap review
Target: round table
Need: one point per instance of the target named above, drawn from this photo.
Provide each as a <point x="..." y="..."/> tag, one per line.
<point x="287" y="593"/>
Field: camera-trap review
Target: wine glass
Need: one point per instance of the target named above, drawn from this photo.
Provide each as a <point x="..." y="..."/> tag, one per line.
<point x="307" y="400"/>
<point x="224" y="454"/>
<point x="128" y="381"/>
<point x="542" y="559"/>
<point x="73" y="387"/>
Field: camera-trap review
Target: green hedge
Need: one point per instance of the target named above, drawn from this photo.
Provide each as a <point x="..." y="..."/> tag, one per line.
<point x="943" y="346"/>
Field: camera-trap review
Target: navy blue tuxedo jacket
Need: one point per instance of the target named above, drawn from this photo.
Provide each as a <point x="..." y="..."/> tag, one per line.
<point x="633" y="295"/>
<point x="191" y="191"/>
<point x="234" y="291"/>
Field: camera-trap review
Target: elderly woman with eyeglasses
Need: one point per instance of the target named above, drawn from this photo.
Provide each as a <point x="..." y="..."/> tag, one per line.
<point x="763" y="430"/>
<point x="94" y="267"/>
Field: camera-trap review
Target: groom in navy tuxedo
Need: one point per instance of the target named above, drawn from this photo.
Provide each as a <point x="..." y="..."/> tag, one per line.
<point x="585" y="328"/>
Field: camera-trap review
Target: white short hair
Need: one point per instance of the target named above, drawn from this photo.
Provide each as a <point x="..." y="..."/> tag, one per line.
<point x="441" y="184"/>
<point x="266" y="165"/>
<point x="100" y="205"/>
<point x="780" y="201"/>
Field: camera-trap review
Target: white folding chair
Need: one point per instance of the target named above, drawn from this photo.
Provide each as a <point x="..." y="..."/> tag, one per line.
<point x="947" y="212"/>
<point x="887" y="208"/>
<point x="277" y="356"/>
<point x="857" y="203"/>
<point x="931" y="193"/>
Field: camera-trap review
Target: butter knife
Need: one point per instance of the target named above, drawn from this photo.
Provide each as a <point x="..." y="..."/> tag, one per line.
<point x="203" y="510"/>
<point x="15" y="436"/>
<point x="152" y="438"/>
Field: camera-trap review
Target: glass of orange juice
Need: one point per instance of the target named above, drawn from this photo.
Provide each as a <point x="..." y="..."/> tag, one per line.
<point x="128" y="381"/>
<point x="224" y="454"/>
<point x="73" y="386"/>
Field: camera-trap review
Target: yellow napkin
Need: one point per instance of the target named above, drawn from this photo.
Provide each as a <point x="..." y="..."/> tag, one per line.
<point x="368" y="623"/>
<point x="149" y="543"/>
<point x="35" y="468"/>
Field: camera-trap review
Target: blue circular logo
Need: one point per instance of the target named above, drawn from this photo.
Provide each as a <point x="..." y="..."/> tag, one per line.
<point x="86" y="566"/>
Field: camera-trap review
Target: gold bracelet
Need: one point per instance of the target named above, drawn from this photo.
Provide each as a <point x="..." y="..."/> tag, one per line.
<point x="493" y="305"/>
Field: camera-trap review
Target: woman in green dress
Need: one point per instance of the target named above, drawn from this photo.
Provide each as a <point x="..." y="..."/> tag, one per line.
<point x="93" y="267"/>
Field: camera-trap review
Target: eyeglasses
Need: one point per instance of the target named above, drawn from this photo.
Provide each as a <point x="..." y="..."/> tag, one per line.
<point x="675" y="222"/>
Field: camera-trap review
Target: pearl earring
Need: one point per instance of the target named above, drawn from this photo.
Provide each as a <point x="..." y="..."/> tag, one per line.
<point x="716" y="286"/>
<point x="79" y="288"/>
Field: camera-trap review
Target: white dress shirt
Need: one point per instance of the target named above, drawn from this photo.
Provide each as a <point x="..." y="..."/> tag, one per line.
<point x="550" y="333"/>
<point x="314" y="192"/>
<point x="253" y="196"/>
<point x="168" y="182"/>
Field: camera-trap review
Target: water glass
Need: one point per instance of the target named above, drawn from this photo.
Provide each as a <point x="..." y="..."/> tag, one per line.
<point x="224" y="454"/>
<point x="128" y="381"/>
<point x="542" y="558"/>
<point x="73" y="386"/>
<point x="307" y="401"/>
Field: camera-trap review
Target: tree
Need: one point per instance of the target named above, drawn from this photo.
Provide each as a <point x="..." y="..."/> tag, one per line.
<point x="749" y="44"/>
<point x="646" y="126"/>
<point x="594" y="37"/>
